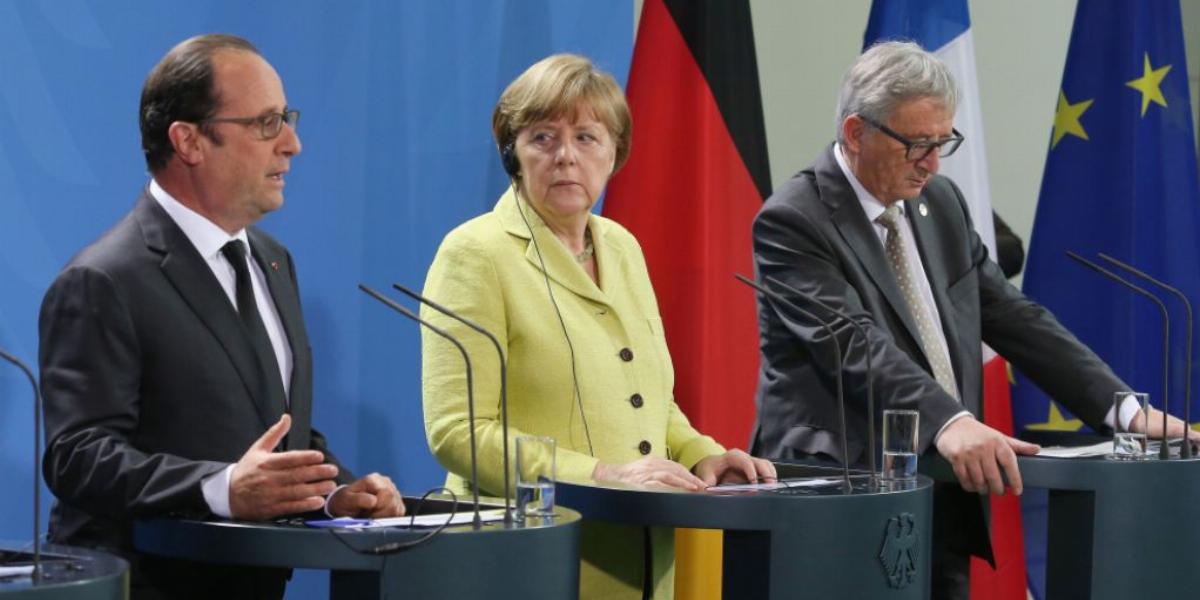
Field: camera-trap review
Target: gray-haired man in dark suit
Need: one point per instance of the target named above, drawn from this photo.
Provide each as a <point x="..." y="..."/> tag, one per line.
<point x="871" y="229"/>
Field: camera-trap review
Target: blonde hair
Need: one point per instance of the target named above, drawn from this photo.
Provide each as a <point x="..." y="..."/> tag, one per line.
<point x="563" y="85"/>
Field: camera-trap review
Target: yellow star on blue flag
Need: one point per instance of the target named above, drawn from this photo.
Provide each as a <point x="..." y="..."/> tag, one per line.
<point x="1149" y="84"/>
<point x="1056" y="421"/>
<point x="1066" y="119"/>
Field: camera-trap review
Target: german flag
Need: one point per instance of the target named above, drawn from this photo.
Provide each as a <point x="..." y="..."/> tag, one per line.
<point x="696" y="177"/>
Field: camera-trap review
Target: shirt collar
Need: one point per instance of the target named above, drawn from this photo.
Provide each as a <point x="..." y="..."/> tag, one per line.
<point x="205" y="235"/>
<point x="870" y="204"/>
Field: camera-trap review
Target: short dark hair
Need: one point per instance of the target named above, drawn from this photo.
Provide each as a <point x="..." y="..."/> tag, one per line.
<point x="180" y="88"/>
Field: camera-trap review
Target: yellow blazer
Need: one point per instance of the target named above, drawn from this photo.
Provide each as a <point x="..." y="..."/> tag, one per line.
<point x="488" y="269"/>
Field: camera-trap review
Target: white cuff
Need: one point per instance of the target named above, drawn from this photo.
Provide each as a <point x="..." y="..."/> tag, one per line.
<point x="965" y="413"/>
<point x="1129" y="410"/>
<point x="216" y="491"/>
<point x="330" y="497"/>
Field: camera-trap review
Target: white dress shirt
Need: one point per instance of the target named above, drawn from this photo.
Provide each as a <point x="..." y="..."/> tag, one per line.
<point x="208" y="239"/>
<point x="873" y="207"/>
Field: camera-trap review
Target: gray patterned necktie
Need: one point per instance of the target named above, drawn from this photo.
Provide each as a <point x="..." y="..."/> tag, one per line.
<point x="932" y="343"/>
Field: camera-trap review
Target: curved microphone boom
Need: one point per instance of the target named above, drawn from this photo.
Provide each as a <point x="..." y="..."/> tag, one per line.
<point x="837" y="357"/>
<point x="503" y="377"/>
<point x="1164" y="452"/>
<point x="37" y="456"/>
<point x="1186" y="449"/>
<point x="477" y="522"/>
<point x="862" y="332"/>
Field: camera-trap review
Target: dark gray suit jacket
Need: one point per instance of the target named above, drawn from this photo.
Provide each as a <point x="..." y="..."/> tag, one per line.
<point x="813" y="235"/>
<point x="150" y="382"/>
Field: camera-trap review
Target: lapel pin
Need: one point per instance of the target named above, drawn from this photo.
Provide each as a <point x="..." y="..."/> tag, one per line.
<point x="924" y="210"/>
<point x="275" y="263"/>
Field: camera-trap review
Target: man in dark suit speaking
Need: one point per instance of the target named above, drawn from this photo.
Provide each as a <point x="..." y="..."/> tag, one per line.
<point x="174" y="357"/>
<point x="872" y="230"/>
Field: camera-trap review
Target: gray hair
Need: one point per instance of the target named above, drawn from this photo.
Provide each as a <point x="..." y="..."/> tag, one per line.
<point x="888" y="74"/>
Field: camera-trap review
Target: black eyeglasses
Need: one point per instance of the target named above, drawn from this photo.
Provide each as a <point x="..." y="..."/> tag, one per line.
<point x="919" y="150"/>
<point x="269" y="124"/>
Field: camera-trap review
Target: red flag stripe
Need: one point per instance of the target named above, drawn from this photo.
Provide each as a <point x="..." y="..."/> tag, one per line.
<point x="687" y="196"/>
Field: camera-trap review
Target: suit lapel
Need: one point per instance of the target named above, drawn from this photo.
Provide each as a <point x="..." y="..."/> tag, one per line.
<point x="609" y="256"/>
<point x="190" y="275"/>
<point x="277" y="268"/>
<point x="852" y="224"/>
<point x="560" y="265"/>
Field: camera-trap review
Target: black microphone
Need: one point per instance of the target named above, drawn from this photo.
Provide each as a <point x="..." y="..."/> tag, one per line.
<point x="503" y="376"/>
<point x="862" y="332"/>
<point x="837" y="357"/>
<point x="477" y="522"/>
<point x="1164" y="452"/>
<point x="36" y="575"/>
<point x="1186" y="451"/>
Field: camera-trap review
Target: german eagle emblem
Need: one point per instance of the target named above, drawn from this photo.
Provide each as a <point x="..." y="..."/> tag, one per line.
<point x="900" y="552"/>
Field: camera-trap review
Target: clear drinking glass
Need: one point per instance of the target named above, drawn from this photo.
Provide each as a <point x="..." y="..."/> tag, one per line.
<point x="535" y="476"/>
<point x="900" y="445"/>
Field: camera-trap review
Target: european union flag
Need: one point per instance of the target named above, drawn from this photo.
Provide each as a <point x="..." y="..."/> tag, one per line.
<point x="1120" y="179"/>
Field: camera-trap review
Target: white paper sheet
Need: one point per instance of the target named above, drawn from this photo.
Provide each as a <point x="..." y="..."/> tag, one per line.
<point x="774" y="485"/>
<point x="1099" y="449"/>
<point x="466" y="515"/>
<point x="26" y="571"/>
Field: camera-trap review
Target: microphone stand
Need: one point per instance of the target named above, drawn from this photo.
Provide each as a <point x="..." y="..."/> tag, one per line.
<point x="36" y="575"/>
<point x="837" y="354"/>
<point x="503" y="378"/>
<point x="477" y="522"/>
<point x="1164" y="452"/>
<point x="862" y="332"/>
<point x="1186" y="450"/>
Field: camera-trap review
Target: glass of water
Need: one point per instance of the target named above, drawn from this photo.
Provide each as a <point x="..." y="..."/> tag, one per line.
<point x="535" y="476"/>
<point x="900" y="445"/>
<point x="1132" y="413"/>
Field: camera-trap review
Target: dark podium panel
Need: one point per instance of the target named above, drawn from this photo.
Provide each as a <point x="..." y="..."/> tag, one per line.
<point x="1116" y="529"/>
<point x="69" y="573"/>
<point x="526" y="560"/>
<point x="802" y="542"/>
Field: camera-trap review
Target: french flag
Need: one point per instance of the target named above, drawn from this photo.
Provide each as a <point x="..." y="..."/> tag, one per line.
<point x="944" y="28"/>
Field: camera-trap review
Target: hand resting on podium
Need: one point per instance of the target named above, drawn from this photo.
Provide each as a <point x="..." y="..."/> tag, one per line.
<point x="979" y="453"/>
<point x="983" y="458"/>
<point x="734" y="466"/>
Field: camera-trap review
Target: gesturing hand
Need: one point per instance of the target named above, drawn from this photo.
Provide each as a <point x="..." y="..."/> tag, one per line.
<point x="649" y="472"/>
<point x="978" y="453"/>
<point x="266" y="484"/>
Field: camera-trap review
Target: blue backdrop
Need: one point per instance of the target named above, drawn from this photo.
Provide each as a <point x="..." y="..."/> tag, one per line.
<point x="396" y="100"/>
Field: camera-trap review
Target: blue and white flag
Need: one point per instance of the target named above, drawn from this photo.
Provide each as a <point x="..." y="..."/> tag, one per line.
<point x="943" y="27"/>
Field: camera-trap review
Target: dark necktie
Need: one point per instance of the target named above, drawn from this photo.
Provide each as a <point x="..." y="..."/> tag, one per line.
<point x="256" y="332"/>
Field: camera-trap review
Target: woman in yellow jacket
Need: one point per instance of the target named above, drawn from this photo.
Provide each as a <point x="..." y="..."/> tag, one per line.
<point x="568" y="295"/>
